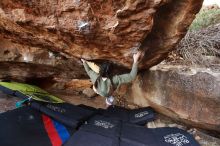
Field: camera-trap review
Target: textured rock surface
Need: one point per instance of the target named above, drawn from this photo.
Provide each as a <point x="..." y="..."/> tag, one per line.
<point x="25" y="72"/>
<point x="186" y="94"/>
<point x="7" y="102"/>
<point x="88" y="92"/>
<point x="205" y="139"/>
<point x="98" y="29"/>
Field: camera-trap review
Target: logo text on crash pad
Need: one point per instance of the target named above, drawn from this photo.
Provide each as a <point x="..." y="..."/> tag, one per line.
<point x="141" y="114"/>
<point x="56" y="108"/>
<point x="104" y="124"/>
<point x="176" y="139"/>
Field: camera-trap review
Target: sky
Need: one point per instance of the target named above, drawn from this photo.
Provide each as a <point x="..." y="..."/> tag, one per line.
<point x="210" y="2"/>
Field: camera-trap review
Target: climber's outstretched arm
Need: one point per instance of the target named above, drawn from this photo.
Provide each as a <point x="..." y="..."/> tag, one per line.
<point x="126" y="78"/>
<point x="93" y="75"/>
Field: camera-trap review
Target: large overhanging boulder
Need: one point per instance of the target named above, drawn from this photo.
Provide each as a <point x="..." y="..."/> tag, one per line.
<point x="98" y="30"/>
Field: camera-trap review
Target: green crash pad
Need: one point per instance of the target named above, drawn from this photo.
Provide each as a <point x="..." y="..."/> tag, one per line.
<point x="28" y="91"/>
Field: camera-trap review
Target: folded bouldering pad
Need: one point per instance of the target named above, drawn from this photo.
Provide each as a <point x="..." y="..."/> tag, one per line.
<point x="68" y="114"/>
<point x="135" y="116"/>
<point x="98" y="131"/>
<point x="133" y="135"/>
<point x="27" y="127"/>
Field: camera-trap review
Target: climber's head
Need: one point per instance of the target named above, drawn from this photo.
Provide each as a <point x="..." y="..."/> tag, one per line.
<point x="105" y="70"/>
<point x="104" y="73"/>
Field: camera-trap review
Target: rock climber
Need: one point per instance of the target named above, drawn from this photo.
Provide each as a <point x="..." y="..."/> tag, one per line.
<point x="103" y="83"/>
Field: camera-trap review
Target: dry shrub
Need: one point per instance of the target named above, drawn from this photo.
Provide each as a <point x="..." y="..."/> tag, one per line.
<point x="196" y="45"/>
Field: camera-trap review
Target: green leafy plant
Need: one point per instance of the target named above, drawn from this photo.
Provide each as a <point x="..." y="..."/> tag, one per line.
<point x="205" y="18"/>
